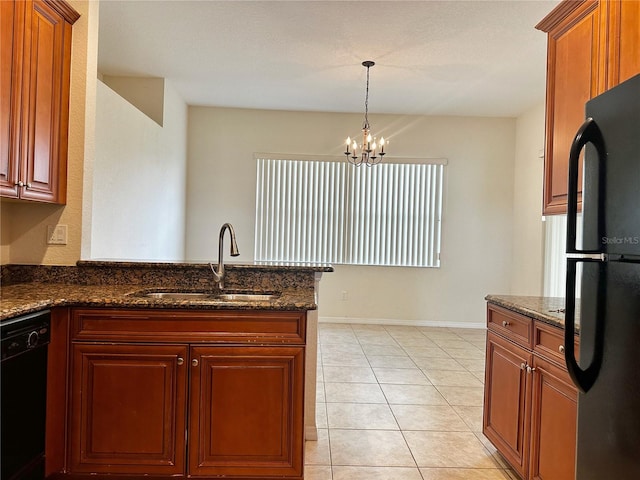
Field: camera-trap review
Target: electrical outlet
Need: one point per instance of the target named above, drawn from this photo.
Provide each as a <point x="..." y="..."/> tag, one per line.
<point x="56" y="234"/>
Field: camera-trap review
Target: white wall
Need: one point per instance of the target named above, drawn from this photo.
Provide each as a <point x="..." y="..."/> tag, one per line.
<point x="139" y="180"/>
<point x="528" y="227"/>
<point x="478" y="211"/>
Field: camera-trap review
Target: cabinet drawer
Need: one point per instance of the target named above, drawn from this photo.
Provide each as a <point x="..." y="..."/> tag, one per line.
<point x="193" y="326"/>
<point x="510" y="324"/>
<point x="548" y="341"/>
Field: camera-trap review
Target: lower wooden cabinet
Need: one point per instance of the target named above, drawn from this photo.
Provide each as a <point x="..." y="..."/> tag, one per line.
<point x="507" y="400"/>
<point x="245" y="415"/>
<point x="530" y="404"/>
<point x="229" y="406"/>
<point x="128" y="409"/>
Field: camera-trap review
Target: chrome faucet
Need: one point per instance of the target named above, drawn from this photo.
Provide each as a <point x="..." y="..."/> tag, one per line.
<point x="218" y="274"/>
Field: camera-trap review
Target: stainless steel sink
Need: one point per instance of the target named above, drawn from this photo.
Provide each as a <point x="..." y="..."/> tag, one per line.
<point x="246" y="297"/>
<point x="210" y="296"/>
<point x="180" y="295"/>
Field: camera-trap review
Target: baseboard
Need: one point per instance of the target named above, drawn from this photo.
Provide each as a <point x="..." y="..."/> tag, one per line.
<point x="310" y="433"/>
<point x="402" y="322"/>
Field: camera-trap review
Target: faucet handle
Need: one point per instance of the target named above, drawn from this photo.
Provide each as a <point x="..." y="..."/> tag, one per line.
<point x="216" y="276"/>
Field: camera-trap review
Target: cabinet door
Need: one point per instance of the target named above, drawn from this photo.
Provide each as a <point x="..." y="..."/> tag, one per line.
<point x="624" y="41"/>
<point x="553" y="420"/>
<point x="506" y="401"/>
<point x="128" y="409"/>
<point x="246" y="411"/>
<point x="573" y="72"/>
<point x="11" y="43"/>
<point x="45" y="104"/>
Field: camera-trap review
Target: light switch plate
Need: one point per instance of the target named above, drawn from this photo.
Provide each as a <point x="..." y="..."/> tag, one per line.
<point x="56" y="234"/>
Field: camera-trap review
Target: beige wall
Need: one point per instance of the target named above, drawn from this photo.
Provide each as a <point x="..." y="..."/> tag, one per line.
<point x="24" y="225"/>
<point x="528" y="227"/>
<point x="492" y="205"/>
<point x="138" y="204"/>
<point x="478" y="211"/>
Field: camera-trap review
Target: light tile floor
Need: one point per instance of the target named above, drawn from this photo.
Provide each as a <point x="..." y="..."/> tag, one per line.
<point x="401" y="403"/>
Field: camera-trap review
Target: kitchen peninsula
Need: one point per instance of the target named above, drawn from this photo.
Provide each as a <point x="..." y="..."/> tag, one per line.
<point x="530" y="403"/>
<point x="202" y="385"/>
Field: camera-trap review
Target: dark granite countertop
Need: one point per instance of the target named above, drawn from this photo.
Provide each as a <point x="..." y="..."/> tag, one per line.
<point x="30" y="297"/>
<point x="27" y="288"/>
<point x="144" y="264"/>
<point x="546" y="309"/>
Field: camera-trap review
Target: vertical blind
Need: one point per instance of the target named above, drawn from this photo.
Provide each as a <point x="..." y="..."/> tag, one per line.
<point x="334" y="212"/>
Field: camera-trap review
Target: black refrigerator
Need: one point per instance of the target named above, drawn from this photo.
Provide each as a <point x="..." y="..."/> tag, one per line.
<point x="607" y="373"/>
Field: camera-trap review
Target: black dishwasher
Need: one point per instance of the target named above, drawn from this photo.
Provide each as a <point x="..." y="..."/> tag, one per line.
<point x="23" y="370"/>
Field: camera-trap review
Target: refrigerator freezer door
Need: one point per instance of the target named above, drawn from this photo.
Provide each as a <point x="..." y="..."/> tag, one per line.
<point x="609" y="413"/>
<point x="617" y="115"/>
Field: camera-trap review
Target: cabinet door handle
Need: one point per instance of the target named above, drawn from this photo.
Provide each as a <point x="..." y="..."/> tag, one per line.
<point x="505" y="323"/>
<point x="523" y="366"/>
<point x="194" y="362"/>
<point x="530" y="369"/>
<point x="27" y="185"/>
<point x="561" y="349"/>
<point x="180" y="361"/>
<point x="19" y="183"/>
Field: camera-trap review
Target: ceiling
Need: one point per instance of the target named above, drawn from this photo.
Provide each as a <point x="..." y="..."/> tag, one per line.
<point x="477" y="58"/>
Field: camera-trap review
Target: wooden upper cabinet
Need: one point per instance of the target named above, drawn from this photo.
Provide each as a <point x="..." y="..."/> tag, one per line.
<point x="572" y="79"/>
<point x="11" y="44"/>
<point x="35" y="99"/>
<point x="624" y="41"/>
<point x="592" y="46"/>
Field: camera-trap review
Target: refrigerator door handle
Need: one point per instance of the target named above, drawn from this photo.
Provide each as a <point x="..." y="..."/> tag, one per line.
<point x="583" y="379"/>
<point x="589" y="132"/>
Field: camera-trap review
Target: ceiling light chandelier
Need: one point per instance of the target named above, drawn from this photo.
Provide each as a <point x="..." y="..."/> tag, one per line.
<point x="369" y="154"/>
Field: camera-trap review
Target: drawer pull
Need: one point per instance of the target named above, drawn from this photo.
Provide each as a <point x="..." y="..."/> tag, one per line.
<point x="505" y="323"/>
<point x="180" y="361"/>
<point x="194" y="362"/>
<point x="561" y="349"/>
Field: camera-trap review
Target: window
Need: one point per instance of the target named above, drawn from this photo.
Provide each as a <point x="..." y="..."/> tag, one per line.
<point x="333" y="212"/>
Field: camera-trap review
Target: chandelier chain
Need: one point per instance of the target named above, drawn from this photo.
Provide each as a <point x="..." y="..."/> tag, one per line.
<point x="366" y="102"/>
